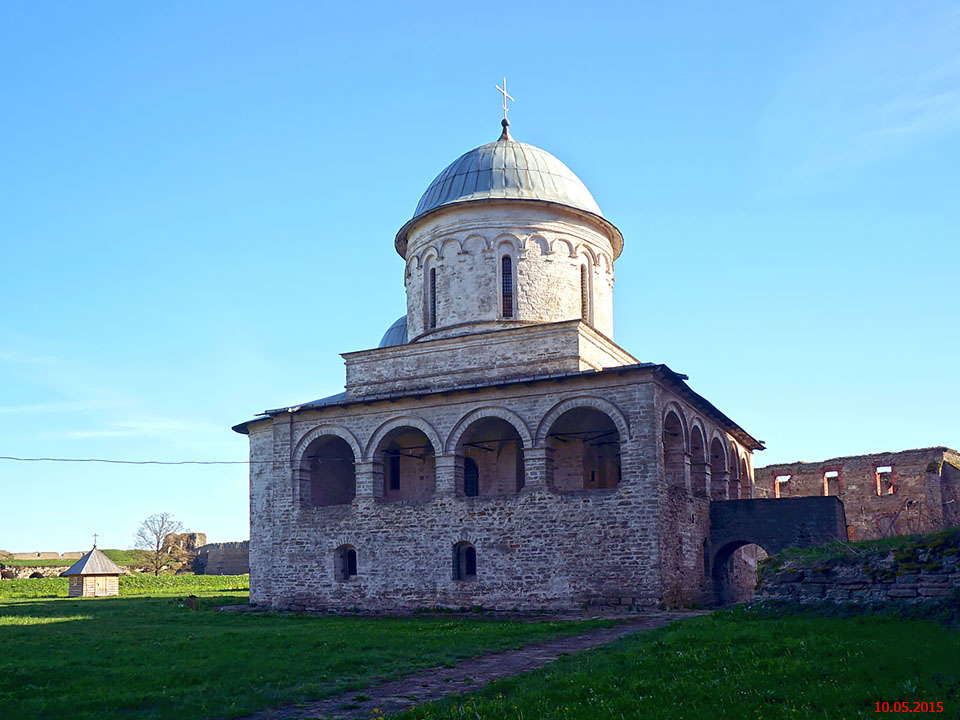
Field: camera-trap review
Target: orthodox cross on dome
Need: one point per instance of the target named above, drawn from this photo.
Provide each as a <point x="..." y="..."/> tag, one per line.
<point x="506" y="96"/>
<point x="95" y="539"/>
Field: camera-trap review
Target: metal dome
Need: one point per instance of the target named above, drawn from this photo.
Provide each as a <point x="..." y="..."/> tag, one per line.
<point x="507" y="169"/>
<point x="396" y="334"/>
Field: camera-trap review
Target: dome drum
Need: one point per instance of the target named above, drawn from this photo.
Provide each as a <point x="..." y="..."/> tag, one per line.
<point x="507" y="235"/>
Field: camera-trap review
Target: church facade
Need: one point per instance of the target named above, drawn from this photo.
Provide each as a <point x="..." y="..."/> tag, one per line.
<point x="498" y="449"/>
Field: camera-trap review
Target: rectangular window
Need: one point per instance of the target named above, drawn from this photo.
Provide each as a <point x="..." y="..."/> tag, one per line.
<point x="831" y="482"/>
<point x="781" y="485"/>
<point x="393" y="471"/>
<point x="885" y="484"/>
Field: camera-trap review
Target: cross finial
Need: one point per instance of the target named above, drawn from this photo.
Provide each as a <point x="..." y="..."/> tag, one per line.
<point x="506" y="96"/>
<point x="95" y="540"/>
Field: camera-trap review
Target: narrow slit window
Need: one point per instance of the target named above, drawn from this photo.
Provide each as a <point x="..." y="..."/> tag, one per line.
<point x="506" y="271"/>
<point x="780" y="485"/>
<point x="433" y="297"/>
<point x="885" y="484"/>
<point x="831" y="483"/>
<point x="471" y="478"/>
<point x="584" y="295"/>
<point x="393" y="471"/>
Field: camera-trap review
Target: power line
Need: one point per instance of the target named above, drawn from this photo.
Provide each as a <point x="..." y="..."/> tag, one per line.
<point x="137" y="462"/>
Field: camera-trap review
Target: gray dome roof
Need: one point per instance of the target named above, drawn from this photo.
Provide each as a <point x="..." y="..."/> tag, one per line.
<point x="507" y="169"/>
<point x="396" y="334"/>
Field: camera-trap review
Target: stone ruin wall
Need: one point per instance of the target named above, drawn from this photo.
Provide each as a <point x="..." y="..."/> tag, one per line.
<point x="227" y="558"/>
<point x="25" y="571"/>
<point x="926" y="493"/>
<point x="928" y="572"/>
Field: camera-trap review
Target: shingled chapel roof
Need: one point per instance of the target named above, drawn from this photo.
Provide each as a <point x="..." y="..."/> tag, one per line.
<point x="93" y="563"/>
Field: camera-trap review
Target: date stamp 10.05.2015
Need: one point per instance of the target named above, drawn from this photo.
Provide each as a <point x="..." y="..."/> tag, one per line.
<point x="910" y="706"/>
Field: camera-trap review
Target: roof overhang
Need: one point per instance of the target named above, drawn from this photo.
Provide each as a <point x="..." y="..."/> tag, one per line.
<point x="675" y="380"/>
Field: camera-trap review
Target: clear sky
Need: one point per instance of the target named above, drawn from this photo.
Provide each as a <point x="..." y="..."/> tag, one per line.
<point x="198" y="203"/>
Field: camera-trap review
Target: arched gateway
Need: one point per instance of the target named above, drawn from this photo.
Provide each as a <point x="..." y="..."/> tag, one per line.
<point x="741" y="528"/>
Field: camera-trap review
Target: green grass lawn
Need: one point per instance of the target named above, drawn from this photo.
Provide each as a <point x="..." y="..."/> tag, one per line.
<point x="735" y="664"/>
<point x="152" y="657"/>
<point x="132" y="584"/>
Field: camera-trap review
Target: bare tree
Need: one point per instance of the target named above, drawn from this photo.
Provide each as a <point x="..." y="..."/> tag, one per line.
<point x="151" y="536"/>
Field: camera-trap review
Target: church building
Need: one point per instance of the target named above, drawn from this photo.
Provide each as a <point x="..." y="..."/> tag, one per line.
<point x="498" y="448"/>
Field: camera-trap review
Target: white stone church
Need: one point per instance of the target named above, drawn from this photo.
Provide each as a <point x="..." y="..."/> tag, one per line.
<point x="498" y="448"/>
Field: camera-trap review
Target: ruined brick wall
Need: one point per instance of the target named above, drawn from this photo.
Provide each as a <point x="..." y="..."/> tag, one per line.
<point x="229" y="558"/>
<point x="916" y="505"/>
<point x="540" y="547"/>
<point x="950" y="488"/>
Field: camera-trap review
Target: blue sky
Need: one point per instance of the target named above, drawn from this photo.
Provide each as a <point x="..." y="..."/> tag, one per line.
<point x="198" y="202"/>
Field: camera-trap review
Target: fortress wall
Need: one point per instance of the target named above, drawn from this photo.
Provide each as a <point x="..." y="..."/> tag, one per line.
<point x="229" y="558"/>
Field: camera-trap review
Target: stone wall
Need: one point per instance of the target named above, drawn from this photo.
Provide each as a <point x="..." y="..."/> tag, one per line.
<point x="25" y="571"/>
<point x="547" y="247"/>
<point x="36" y="556"/>
<point x="229" y="558"/>
<point x="921" y="571"/>
<point x="517" y="352"/>
<point x="921" y="493"/>
<point x="541" y="547"/>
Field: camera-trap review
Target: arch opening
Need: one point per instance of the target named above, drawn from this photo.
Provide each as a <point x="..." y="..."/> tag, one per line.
<point x="491" y="451"/>
<point x="718" y="471"/>
<point x="734" y="572"/>
<point x="698" y="464"/>
<point x="407" y="459"/>
<point x="345" y="563"/>
<point x="745" y="484"/>
<point x="733" y="479"/>
<point x="327" y="472"/>
<point x="673" y="451"/>
<point x="464" y="562"/>
<point x="586" y="450"/>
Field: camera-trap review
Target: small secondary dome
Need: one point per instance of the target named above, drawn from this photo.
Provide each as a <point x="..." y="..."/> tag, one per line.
<point x="396" y="334"/>
<point x="507" y="169"/>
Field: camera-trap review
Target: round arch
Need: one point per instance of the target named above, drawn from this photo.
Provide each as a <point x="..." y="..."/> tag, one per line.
<point x="571" y="251"/>
<point x="400" y="422"/>
<point x="717" y="440"/>
<point x="585" y="251"/>
<point x="464" y="423"/>
<point x="507" y="239"/>
<point x="442" y="247"/>
<point x="538" y="241"/>
<point x="474" y="240"/>
<point x="320" y="431"/>
<point x="583" y="401"/>
<point x="735" y="584"/>
<point x="673" y="407"/>
<point x="697" y="424"/>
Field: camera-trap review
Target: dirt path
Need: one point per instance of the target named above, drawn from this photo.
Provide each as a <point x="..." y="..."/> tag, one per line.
<point x="469" y="676"/>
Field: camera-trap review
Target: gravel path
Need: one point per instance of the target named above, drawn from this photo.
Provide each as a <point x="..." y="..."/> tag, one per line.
<point x="469" y="676"/>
